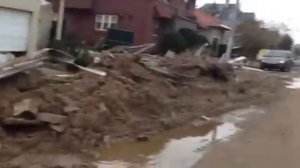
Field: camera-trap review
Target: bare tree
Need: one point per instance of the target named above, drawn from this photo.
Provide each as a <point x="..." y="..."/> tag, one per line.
<point x="286" y="42"/>
<point x="253" y="37"/>
<point x="296" y="49"/>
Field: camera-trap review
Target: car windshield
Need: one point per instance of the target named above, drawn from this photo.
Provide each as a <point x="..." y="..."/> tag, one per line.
<point x="277" y="54"/>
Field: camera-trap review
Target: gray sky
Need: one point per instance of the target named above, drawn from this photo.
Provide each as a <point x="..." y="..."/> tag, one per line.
<point x="272" y="12"/>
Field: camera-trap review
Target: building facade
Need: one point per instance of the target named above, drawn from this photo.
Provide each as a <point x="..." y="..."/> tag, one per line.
<point x="89" y="20"/>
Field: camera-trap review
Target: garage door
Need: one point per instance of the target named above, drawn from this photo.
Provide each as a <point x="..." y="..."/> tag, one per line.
<point x="14" y="30"/>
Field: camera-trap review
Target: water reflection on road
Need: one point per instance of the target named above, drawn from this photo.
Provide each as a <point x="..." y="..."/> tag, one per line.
<point x="183" y="150"/>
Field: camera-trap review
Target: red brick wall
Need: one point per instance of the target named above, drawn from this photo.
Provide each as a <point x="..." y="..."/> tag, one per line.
<point x="81" y="23"/>
<point x="134" y="15"/>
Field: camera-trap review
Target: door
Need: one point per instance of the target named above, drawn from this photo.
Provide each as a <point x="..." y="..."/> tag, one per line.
<point x="14" y="30"/>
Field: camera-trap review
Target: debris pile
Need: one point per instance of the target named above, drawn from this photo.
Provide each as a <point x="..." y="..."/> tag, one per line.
<point x="138" y="95"/>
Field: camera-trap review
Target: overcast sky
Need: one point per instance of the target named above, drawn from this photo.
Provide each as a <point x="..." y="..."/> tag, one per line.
<point x="271" y="11"/>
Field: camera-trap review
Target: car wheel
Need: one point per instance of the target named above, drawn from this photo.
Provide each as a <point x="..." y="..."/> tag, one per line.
<point x="286" y="69"/>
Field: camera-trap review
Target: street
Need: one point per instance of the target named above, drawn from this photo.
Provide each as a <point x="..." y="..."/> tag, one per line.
<point x="271" y="140"/>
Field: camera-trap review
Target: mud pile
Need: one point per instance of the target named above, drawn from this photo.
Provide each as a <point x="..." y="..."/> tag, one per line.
<point x="139" y="96"/>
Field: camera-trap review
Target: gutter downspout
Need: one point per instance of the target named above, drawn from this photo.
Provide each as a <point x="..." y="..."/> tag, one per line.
<point x="60" y="20"/>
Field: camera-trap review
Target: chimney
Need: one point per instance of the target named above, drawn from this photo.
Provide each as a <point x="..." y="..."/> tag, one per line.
<point x="238" y="4"/>
<point x="190" y="5"/>
<point x="227" y="2"/>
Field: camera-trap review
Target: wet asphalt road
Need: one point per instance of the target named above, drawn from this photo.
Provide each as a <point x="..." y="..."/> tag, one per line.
<point x="270" y="140"/>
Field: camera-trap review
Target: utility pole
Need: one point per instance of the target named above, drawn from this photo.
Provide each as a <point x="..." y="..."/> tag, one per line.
<point x="232" y="31"/>
<point x="60" y="20"/>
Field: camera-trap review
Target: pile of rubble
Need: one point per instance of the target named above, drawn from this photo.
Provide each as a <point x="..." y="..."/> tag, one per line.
<point x="51" y="111"/>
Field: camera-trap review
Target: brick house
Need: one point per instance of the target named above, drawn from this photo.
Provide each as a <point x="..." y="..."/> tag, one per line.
<point x="148" y="19"/>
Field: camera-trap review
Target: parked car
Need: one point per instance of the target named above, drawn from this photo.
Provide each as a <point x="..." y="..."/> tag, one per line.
<point x="278" y="59"/>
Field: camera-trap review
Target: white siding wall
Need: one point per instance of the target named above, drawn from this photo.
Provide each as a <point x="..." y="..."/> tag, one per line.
<point x="33" y="7"/>
<point x="181" y="23"/>
<point x="14" y="30"/>
<point x="210" y="34"/>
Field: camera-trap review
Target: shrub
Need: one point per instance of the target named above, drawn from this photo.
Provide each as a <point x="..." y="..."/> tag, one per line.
<point x="84" y="58"/>
<point x="174" y="42"/>
<point x="193" y="39"/>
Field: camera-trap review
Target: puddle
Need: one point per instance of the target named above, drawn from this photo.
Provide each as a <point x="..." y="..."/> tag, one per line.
<point x="240" y="115"/>
<point x="181" y="151"/>
<point x="294" y="84"/>
<point x="179" y="148"/>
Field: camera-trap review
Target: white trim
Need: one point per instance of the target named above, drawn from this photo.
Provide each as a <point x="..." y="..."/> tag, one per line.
<point x="104" y="22"/>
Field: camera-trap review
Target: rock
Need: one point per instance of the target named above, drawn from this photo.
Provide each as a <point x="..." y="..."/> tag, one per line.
<point x="19" y="121"/>
<point x="107" y="141"/>
<point x="52" y="118"/>
<point x="77" y="132"/>
<point x="210" y="100"/>
<point x="103" y="108"/>
<point x="170" y="54"/>
<point x="71" y="109"/>
<point x="28" y="81"/>
<point x="10" y="151"/>
<point x="198" y="123"/>
<point x="80" y="121"/>
<point x="28" y="106"/>
<point x="87" y="121"/>
<point x="242" y="91"/>
<point x="66" y="100"/>
<point x="142" y="138"/>
<point x="60" y="128"/>
<point x="205" y="118"/>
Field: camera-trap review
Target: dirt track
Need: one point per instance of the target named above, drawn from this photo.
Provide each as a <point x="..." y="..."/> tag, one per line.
<point x="271" y="140"/>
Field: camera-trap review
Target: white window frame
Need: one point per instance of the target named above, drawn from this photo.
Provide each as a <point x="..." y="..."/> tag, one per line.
<point x="104" y="22"/>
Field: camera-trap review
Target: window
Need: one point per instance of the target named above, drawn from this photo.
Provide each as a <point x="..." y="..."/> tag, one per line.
<point x="104" y="22"/>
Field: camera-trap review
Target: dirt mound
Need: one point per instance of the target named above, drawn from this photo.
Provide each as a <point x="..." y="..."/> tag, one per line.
<point x="42" y="113"/>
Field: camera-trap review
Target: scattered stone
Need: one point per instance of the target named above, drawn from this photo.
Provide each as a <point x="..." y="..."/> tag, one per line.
<point x="103" y="108"/>
<point x="170" y="54"/>
<point x="242" y="91"/>
<point x="107" y="141"/>
<point x="20" y="121"/>
<point x="71" y="109"/>
<point x="210" y="100"/>
<point x="60" y="128"/>
<point x="205" y="118"/>
<point x="51" y="118"/>
<point x="26" y="105"/>
<point x="66" y="100"/>
<point x="142" y="138"/>
<point x="198" y="123"/>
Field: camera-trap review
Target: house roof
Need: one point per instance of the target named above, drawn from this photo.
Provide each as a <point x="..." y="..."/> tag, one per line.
<point x="215" y="8"/>
<point x="205" y="20"/>
<point x="225" y="12"/>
